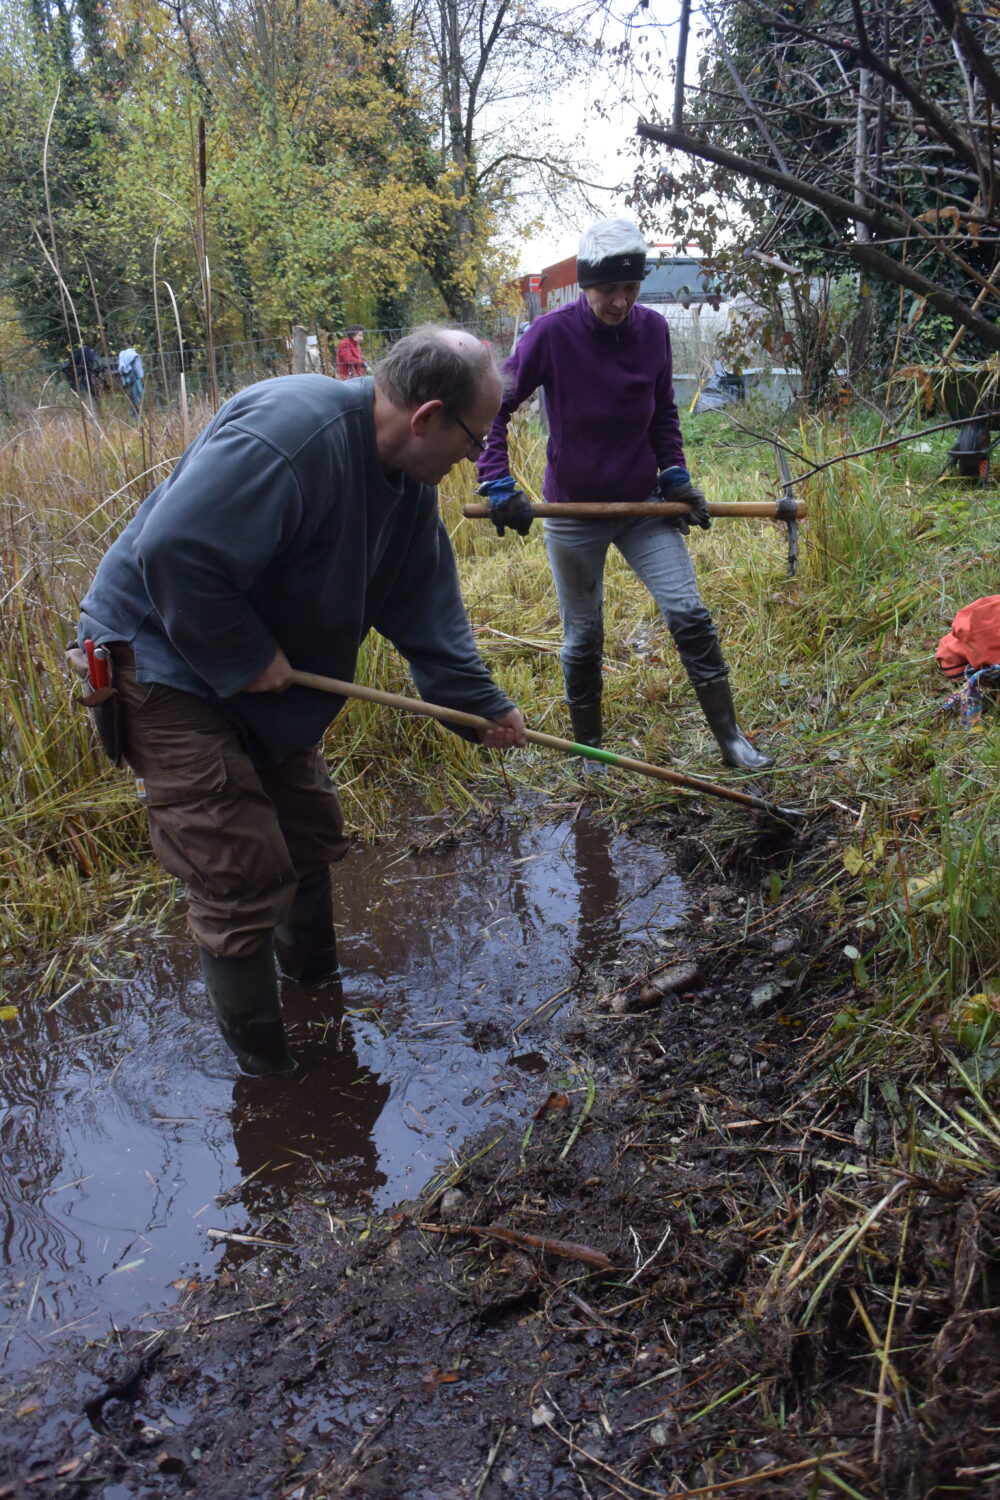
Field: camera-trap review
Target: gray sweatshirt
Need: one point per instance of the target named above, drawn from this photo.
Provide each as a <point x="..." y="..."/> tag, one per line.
<point x="276" y="528"/>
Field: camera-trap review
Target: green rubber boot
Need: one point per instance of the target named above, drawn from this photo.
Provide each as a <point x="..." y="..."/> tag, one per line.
<point x="306" y="942"/>
<point x="244" y="996"/>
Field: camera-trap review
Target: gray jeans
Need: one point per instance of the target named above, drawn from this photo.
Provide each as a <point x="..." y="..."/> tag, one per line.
<point x="658" y="555"/>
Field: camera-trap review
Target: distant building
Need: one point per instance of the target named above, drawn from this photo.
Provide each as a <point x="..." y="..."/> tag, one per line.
<point x="672" y="280"/>
<point x="679" y="287"/>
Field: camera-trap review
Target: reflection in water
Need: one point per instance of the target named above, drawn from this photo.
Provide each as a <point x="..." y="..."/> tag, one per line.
<point x="124" y="1137"/>
<point x="310" y="1131"/>
<point x="598" y="929"/>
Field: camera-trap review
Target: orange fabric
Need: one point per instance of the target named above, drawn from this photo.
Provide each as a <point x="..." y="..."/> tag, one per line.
<point x="974" y="638"/>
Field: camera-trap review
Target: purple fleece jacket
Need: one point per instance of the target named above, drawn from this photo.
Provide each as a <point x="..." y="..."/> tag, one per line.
<point x="609" y="398"/>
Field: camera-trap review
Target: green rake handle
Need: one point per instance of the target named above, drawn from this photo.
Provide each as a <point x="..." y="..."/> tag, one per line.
<point x="551" y="741"/>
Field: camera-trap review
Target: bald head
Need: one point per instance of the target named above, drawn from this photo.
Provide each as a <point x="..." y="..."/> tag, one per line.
<point x="437" y="364"/>
<point x="436" y="394"/>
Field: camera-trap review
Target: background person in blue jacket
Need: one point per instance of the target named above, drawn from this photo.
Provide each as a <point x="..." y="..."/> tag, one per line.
<point x="605" y="366"/>
<point x="303" y="516"/>
<point x="132" y="375"/>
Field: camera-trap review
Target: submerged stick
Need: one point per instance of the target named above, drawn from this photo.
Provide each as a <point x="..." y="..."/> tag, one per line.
<point x="552" y="741"/>
<point x="772" y="510"/>
<point x="585" y="1254"/>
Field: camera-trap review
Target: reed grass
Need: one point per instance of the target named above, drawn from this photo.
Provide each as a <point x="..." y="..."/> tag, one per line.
<point x="835" y="667"/>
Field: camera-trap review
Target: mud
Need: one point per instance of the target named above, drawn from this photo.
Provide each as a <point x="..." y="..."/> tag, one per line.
<point x="127" y="1135"/>
<point x="405" y="1352"/>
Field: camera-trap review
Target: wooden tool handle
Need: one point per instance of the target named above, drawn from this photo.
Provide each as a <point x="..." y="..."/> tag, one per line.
<point x="586" y="512"/>
<point x="552" y="741"/>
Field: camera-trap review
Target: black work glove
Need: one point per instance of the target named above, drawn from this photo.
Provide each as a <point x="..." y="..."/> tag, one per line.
<point x="675" y="484"/>
<point x="509" y="506"/>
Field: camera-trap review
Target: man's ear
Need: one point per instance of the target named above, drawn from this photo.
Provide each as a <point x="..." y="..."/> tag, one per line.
<point x="421" y="417"/>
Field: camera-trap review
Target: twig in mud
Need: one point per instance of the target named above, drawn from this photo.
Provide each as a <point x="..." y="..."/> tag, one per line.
<point x="705" y="1489"/>
<point x="732" y="1484"/>
<point x="241" y="1312"/>
<point x="649" y="1258"/>
<point x="491" y="1459"/>
<point x="585" y="1254"/>
<point x="326" y="1470"/>
<point x="595" y="1317"/>
<point x="588" y="1105"/>
<point x="232" y="1238"/>
<point x="536" y="1013"/>
<point x="575" y="1448"/>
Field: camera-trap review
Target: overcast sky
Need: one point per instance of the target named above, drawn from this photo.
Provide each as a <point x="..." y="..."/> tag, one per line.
<point x="608" y="140"/>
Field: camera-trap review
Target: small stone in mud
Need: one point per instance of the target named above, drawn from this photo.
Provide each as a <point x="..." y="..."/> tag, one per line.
<point x="669" y="982"/>
<point x="786" y="941"/>
<point x="738" y="1059"/>
<point x="452" y="1204"/>
<point x="542" y="1415"/>
<point x="764" y="994"/>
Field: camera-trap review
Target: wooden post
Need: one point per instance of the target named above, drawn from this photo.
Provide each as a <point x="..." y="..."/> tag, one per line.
<point x="298" y="349"/>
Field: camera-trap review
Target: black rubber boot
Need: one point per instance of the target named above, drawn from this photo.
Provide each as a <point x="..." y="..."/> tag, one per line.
<point x="244" y="996"/>
<point x="717" y="705"/>
<point x="586" y="721"/>
<point x="306" y="943"/>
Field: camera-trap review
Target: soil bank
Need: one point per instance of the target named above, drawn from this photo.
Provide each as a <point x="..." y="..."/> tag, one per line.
<point x="699" y="1269"/>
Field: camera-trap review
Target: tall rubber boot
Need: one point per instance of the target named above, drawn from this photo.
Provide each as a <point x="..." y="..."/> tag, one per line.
<point x="586" y="721"/>
<point x="244" y="996"/>
<point x="306" y="943"/>
<point x="717" y="705"/>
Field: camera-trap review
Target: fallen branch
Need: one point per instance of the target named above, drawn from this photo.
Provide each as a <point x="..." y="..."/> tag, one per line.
<point x="232" y="1238"/>
<point x="842" y="458"/>
<point x="566" y="1248"/>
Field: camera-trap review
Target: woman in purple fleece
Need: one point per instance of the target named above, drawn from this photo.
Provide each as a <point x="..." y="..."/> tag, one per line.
<point x="605" y="366"/>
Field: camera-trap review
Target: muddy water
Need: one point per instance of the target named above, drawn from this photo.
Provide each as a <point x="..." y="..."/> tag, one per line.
<point x="126" y="1133"/>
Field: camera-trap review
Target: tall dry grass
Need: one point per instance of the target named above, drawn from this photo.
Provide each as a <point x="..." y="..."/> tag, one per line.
<point x="835" y="669"/>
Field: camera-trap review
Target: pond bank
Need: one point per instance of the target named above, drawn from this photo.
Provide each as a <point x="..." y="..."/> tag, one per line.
<point x="789" y="1310"/>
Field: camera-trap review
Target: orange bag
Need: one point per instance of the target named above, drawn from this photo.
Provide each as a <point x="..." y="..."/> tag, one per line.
<point x="974" y="638"/>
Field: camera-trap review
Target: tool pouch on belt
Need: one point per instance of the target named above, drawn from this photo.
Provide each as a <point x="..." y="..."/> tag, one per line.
<point x="101" y="697"/>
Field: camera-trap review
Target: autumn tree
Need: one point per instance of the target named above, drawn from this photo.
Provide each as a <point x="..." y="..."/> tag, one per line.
<point x="271" y="160"/>
<point x="488" y="65"/>
<point x="60" y="79"/>
<point x="827" y="135"/>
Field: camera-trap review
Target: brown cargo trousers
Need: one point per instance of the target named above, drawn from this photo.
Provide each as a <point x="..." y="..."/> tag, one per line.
<point x="238" y="836"/>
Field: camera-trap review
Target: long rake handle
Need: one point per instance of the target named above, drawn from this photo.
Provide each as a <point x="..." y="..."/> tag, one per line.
<point x="767" y="508"/>
<point x="552" y="741"/>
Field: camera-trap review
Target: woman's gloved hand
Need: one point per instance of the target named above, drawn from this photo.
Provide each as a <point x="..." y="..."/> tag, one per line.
<point x="509" y="506"/>
<point x="675" y="484"/>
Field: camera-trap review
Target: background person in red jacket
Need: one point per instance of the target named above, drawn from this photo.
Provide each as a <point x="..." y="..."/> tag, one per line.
<point x="350" y="360"/>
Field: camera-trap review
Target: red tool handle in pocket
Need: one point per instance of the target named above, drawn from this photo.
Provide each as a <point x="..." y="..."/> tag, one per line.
<point x="97" y="663"/>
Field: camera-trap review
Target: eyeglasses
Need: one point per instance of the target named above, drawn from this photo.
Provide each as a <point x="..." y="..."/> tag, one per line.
<point x="474" y="441"/>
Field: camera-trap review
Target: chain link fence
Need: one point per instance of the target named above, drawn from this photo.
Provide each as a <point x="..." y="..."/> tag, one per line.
<point x="28" y="381"/>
